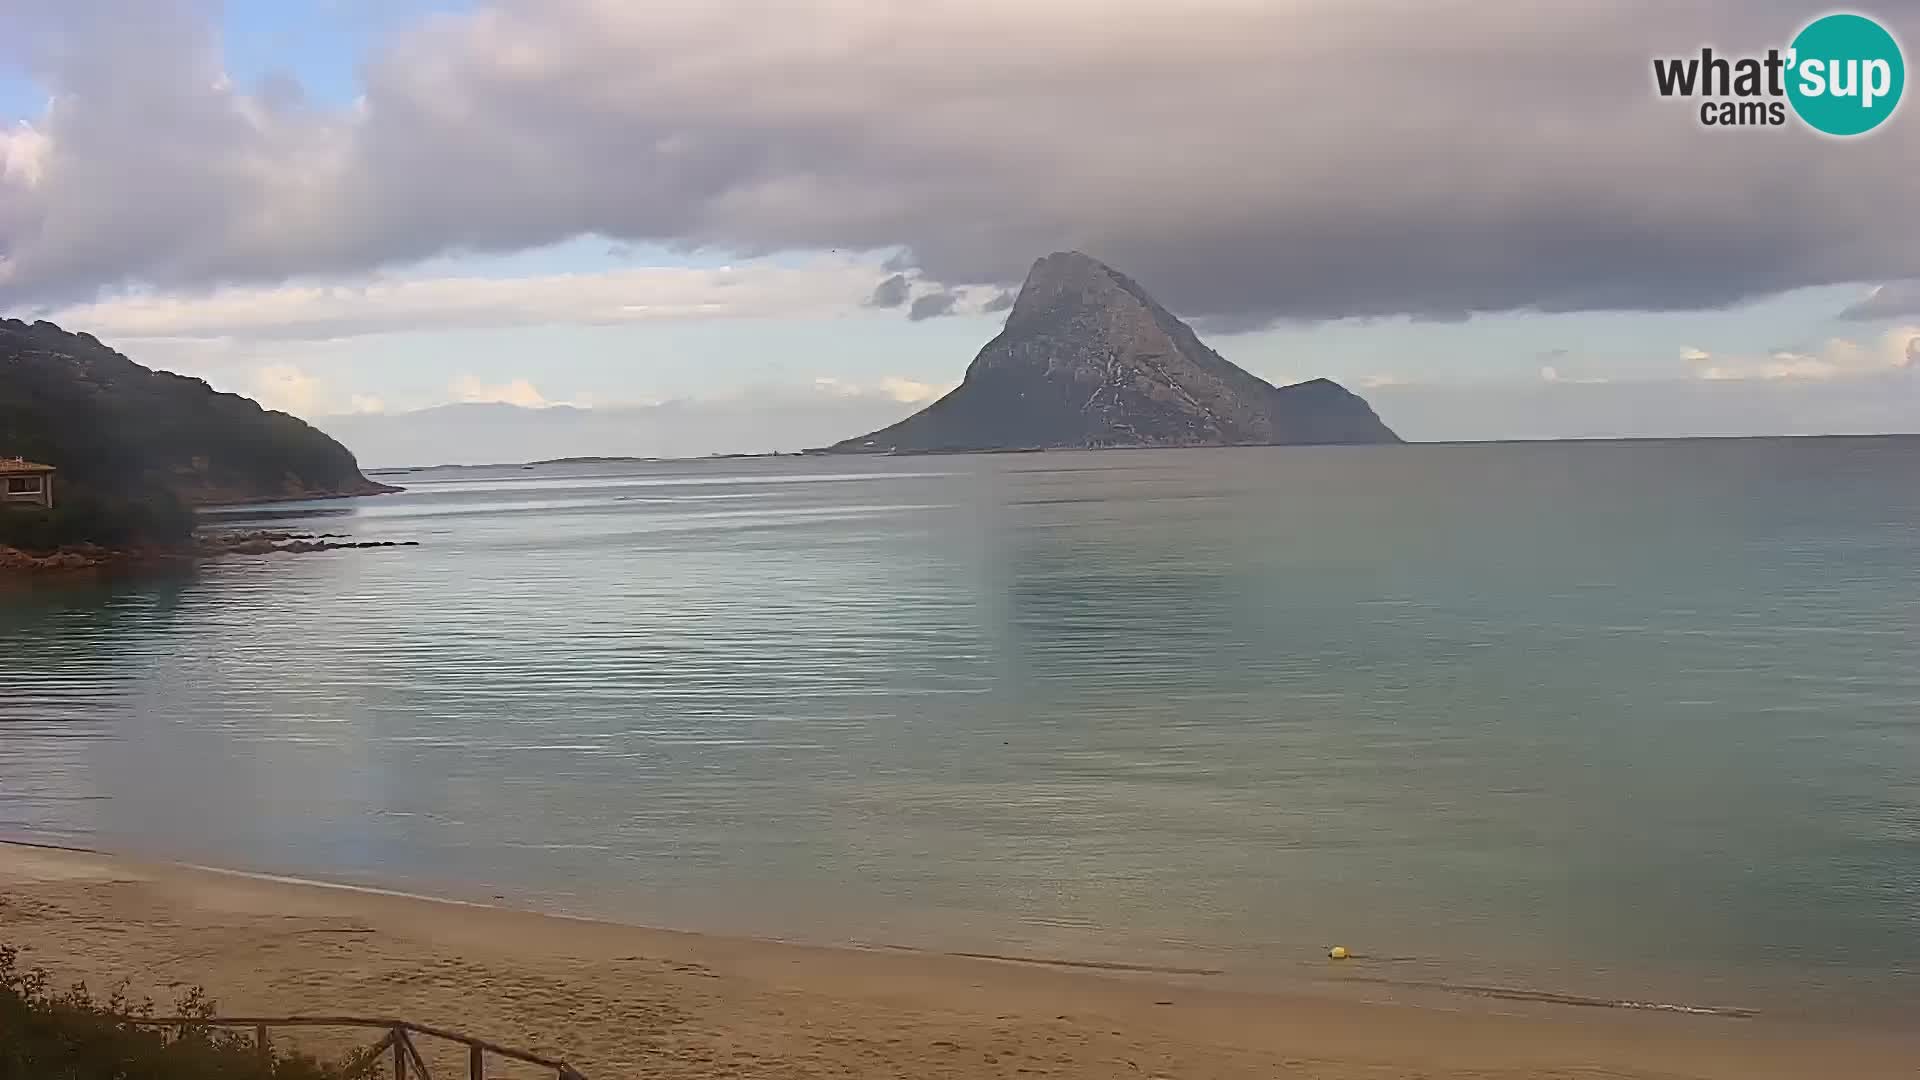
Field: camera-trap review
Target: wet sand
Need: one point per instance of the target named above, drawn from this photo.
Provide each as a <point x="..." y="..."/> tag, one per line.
<point x="623" y="1001"/>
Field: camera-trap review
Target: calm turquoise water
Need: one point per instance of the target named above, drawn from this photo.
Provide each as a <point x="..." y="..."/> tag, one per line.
<point x="1625" y="720"/>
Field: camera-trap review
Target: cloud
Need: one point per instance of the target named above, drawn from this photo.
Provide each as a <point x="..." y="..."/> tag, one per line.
<point x="890" y="293"/>
<point x="895" y="388"/>
<point x="755" y="419"/>
<point x="1889" y="301"/>
<point x="1778" y="366"/>
<point x="1171" y="145"/>
<point x="472" y="390"/>
<point x="1650" y="408"/>
<point x="912" y="391"/>
<point x="320" y="311"/>
<point x="1552" y="373"/>
<point x="286" y="388"/>
<point x="23" y="157"/>
<point x="1838" y="358"/>
<point x="1001" y="301"/>
<point x="932" y="305"/>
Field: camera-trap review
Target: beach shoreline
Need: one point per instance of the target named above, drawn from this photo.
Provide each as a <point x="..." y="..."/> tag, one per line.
<point x="620" y="1000"/>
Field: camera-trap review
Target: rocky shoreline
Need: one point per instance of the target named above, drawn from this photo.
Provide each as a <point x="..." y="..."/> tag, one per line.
<point x="218" y="497"/>
<point x="82" y="558"/>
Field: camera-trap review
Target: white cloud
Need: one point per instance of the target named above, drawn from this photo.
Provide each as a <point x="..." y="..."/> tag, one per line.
<point x="470" y="389"/>
<point x="288" y="389"/>
<point x="320" y="311"/>
<point x="1838" y="358"/>
<point x="1892" y="300"/>
<point x="1553" y="374"/>
<point x="889" y="387"/>
<point x="1778" y="366"/>
<point x="23" y="155"/>
<point x="912" y="391"/>
<point x="1650" y="408"/>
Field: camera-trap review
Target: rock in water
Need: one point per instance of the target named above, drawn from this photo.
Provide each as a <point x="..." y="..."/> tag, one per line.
<point x="1088" y="359"/>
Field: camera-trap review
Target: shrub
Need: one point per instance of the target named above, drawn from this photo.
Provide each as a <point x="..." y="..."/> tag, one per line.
<point x="48" y="1035"/>
<point x="83" y="518"/>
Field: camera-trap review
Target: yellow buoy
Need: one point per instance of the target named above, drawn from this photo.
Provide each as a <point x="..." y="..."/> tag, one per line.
<point x="1338" y="952"/>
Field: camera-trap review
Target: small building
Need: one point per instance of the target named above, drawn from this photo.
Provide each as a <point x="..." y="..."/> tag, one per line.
<point x="25" y="484"/>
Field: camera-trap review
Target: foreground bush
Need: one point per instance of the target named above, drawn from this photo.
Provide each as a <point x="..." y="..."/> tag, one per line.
<point x="48" y="1035"/>
<point x="156" y="519"/>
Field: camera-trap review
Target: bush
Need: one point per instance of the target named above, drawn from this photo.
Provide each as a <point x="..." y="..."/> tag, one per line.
<point x="46" y="1035"/>
<point x="81" y="518"/>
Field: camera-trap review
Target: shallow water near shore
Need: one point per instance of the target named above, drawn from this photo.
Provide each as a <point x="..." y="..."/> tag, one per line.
<point x="1621" y="721"/>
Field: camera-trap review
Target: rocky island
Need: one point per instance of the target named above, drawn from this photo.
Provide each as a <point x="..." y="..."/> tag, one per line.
<point x="1088" y="360"/>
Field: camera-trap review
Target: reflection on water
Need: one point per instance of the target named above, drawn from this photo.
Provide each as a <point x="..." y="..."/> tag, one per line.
<point x="1631" y="720"/>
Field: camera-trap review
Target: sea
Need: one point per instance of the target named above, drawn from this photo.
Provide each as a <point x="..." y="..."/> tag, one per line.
<point x="1623" y="722"/>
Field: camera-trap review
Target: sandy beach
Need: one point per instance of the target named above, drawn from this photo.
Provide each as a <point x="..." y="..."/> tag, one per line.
<point x="619" y="1001"/>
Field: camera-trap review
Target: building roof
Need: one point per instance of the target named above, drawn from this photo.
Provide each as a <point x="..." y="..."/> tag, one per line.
<point x="22" y="465"/>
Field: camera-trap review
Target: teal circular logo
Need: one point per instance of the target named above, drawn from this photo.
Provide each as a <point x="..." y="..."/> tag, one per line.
<point x="1846" y="74"/>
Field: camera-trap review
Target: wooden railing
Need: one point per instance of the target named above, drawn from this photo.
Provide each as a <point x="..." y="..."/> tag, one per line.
<point x="397" y="1042"/>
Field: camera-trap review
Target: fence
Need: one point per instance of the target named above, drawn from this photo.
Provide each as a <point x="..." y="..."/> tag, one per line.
<point x="397" y="1042"/>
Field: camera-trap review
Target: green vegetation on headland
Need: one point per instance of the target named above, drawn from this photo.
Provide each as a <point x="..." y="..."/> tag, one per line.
<point x="69" y="1035"/>
<point x="156" y="518"/>
<point x="136" y="448"/>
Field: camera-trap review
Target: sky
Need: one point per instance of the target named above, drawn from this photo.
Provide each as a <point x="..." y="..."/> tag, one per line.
<point x="746" y="225"/>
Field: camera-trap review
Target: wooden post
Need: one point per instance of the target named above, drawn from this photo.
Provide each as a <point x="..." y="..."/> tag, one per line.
<point x="419" y="1063"/>
<point x="370" y="1061"/>
<point x="261" y="1046"/>
<point x="476" y="1063"/>
<point x="399" y="1055"/>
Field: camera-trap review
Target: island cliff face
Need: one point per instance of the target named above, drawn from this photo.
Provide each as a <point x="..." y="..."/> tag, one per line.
<point x="115" y="428"/>
<point x="1088" y="359"/>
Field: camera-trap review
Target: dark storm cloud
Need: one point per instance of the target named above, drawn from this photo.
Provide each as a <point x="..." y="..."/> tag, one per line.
<point x="932" y="305"/>
<point x="890" y="293"/>
<point x="1244" y="161"/>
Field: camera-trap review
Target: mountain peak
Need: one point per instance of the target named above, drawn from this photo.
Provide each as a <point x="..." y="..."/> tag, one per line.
<point x="1067" y="275"/>
<point x="1088" y="359"/>
<point x="1067" y="266"/>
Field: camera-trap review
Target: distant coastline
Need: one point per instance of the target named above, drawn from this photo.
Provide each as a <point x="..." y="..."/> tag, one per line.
<point x="596" y="459"/>
<point x="826" y="452"/>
